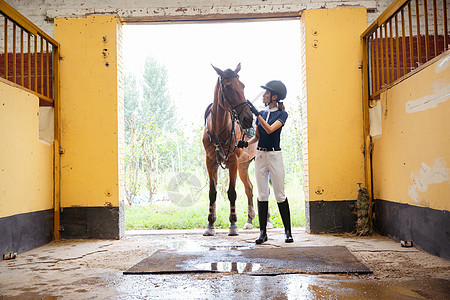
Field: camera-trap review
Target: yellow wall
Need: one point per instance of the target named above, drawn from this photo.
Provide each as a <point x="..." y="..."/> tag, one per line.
<point x="334" y="103"/>
<point x="411" y="157"/>
<point x="26" y="164"/>
<point x="89" y="111"/>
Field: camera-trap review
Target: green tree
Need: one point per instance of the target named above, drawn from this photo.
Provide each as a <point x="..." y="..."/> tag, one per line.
<point x="292" y="141"/>
<point x="152" y="144"/>
<point x="132" y="157"/>
<point x="148" y="138"/>
<point x="132" y="152"/>
<point x="156" y="99"/>
<point x="131" y="103"/>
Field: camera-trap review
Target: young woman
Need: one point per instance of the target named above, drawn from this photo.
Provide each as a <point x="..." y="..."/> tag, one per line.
<point x="269" y="159"/>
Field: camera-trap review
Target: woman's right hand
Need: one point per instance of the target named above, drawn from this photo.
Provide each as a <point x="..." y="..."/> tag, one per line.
<point x="253" y="108"/>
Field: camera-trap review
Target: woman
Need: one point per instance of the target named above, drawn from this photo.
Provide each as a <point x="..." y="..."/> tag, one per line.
<point x="269" y="159"/>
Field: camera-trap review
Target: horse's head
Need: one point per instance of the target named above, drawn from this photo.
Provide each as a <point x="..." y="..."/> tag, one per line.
<point x="232" y="96"/>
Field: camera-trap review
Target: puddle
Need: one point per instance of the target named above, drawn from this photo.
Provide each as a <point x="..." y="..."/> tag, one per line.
<point x="28" y="295"/>
<point x="224" y="266"/>
<point x="187" y="245"/>
<point x="291" y="286"/>
<point x="234" y="247"/>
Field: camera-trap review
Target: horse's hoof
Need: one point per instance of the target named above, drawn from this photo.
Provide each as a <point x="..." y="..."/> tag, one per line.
<point x="251" y="212"/>
<point x="233" y="230"/>
<point x="269" y="225"/>
<point x="209" y="232"/>
<point x="248" y="226"/>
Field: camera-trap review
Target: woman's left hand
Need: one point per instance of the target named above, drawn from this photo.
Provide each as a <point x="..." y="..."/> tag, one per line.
<point x="242" y="144"/>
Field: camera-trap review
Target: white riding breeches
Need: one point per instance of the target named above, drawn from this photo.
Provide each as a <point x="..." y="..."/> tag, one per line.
<point x="269" y="164"/>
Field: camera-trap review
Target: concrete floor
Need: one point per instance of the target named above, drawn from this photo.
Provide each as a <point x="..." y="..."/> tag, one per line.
<point x="92" y="269"/>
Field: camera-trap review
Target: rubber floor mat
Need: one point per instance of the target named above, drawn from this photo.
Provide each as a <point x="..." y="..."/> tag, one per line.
<point x="256" y="261"/>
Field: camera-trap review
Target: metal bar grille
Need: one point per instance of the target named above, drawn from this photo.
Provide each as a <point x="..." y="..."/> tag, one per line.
<point x="21" y="59"/>
<point x="376" y="65"/>
<point x="14" y="58"/>
<point x="391" y="44"/>
<point x="35" y="64"/>
<point x="372" y="55"/>
<point x="386" y="64"/>
<point x="5" y="38"/>
<point x="34" y="68"/>
<point x="29" y="62"/>
<point x="397" y="47"/>
<point x="382" y="61"/>
<point x="394" y="52"/>
<point x="411" y="48"/>
<point x="403" y="41"/>
<point x="28" y="56"/>
<point x="435" y="27"/>
<point x="42" y="68"/>
<point x="427" y="38"/>
<point x="419" y="46"/>
<point x="444" y="8"/>
<point x="47" y="93"/>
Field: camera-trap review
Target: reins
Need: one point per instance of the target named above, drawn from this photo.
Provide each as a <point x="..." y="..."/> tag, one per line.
<point x="220" y="153"/>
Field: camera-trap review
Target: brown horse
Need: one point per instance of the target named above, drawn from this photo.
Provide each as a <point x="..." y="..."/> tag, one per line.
<point x="224" y="119"/>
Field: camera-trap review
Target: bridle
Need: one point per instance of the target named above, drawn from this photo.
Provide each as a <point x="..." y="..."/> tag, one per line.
<point x="225" y="98"/>
<point x="220" y="153"/>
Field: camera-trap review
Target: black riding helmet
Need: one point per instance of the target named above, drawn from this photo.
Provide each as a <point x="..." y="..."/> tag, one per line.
<point x="276" y="87"/>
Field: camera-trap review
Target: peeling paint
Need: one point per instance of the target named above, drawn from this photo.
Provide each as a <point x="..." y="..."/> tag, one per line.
<point x="181" y="9"/>
<point x="443" y="64"/>
<point x="426" y="176"/>
<point x="43" y="12"/>
<point x="441" y="94"/>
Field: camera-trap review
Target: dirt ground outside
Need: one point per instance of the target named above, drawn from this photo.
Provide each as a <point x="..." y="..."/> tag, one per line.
<point x="93" y="269"/>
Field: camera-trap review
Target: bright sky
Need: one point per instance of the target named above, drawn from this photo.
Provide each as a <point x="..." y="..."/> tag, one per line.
<point x="188" y="50"/>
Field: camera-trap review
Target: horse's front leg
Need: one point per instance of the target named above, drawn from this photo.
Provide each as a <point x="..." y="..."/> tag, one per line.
<point x="212" y="172"/>
<point x="245" y="178"/>
<point x="232" y="168"/>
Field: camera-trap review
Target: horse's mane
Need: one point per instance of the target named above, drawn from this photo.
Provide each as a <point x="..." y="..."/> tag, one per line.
<point x="208" y="111"/>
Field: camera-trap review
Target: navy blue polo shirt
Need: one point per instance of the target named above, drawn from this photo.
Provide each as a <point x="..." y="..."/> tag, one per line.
<point x="271" y="140"/>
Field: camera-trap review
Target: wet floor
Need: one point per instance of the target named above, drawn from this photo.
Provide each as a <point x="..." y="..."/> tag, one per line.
<point x="83" y="269"/>
<point x="229" y="267"/>
<point x="298" y="286"/>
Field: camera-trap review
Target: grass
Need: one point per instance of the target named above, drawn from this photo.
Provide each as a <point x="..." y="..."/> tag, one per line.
<point x="166" y="215"/>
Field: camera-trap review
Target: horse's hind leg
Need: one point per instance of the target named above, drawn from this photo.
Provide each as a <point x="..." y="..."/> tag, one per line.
<point x="232" y="169"/>
<point x="212" y="172"/>
<point x="245" y="178"/>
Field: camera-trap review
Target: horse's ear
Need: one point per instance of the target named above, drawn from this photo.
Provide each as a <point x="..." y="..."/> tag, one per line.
<point x="219" y="71"/>
<point x="238" y="68"/>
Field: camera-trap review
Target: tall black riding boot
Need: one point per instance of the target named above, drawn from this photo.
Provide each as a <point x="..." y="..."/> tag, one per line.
<point x="286" y="217"/>
<point x="263" y="207"/>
